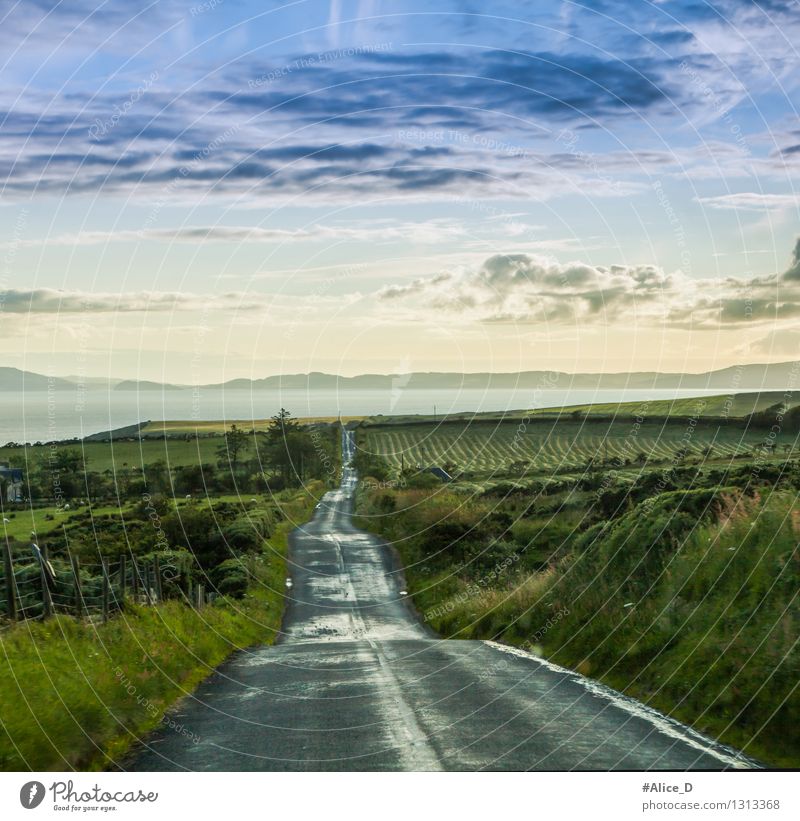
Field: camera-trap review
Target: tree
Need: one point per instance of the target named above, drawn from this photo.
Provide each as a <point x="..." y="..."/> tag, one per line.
<point x="157" y="477"/>
<point x="236" y="441"/>
<point x="289" y="448"/>
<point x="61" y="473"/>
<point x="282" y="423"/>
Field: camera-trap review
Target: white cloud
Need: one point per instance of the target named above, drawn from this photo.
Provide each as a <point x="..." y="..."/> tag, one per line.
<point x="519" y="288"/>
<point x="51" y="301"/>
<point x="429" y="232"/>
<point x="750" y="201"/>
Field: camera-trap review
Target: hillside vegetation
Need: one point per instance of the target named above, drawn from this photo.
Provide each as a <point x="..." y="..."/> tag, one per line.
<point x="163" y="557"/>
<point x="549" y="446"/>
<point x="75" y="694"/>
<point x="677" y="584"/>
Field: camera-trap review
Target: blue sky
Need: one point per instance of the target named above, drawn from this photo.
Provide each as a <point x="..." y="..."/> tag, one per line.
<point x="198" y="191"/>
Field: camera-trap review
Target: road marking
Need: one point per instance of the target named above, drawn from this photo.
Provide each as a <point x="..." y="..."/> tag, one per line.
<point x="423" y="756"/>
<point x="664" y="724"/>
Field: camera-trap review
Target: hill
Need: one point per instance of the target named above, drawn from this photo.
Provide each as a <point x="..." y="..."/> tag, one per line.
<point x="13" y="379"/>
<point x="740" y="378"/>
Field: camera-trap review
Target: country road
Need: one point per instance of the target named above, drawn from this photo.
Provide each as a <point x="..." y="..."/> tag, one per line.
<point x="357" y="683"/>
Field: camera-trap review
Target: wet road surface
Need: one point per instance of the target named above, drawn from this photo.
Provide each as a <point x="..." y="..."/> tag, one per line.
<point x="357" y="683"/>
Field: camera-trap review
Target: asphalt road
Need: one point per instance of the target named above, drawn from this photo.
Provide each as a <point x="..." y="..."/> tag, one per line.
<point x="356" y="683"/>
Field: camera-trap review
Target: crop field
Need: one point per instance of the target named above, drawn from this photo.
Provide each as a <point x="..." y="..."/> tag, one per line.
<point x="548" y="446"/>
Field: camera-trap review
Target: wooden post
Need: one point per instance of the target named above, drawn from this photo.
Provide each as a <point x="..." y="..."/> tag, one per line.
<point x="135" y="581"/>
<point x="11" y="587"/>
<point x="123" y="566"/>
<point x="201" y="593"/>
<point x="157" y="573"/>
<point x="47" y="599"/>
<point x="76" y="580"/>
<point x="147" y="588"/>
<point x="190" y="593"/>
<point x="106" y="586"/>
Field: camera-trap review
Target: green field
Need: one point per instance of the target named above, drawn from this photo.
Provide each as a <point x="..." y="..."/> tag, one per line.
<point x="44" y="520"/>
<point x="203" y="427"/>
<point x="722" y="405"/>
<point x="545" y="446"/>
<point x="176" y="443"/>
<point x="116" y="456"/>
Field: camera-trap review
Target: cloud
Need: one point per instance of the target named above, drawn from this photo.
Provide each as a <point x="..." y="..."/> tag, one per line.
<point x="430" y="232"/>
<point x="51" y="301"/>
<point x="793" y="271"/>
<point x="750" y="201"/>
<point x="331" y="128"/>
<point x="316" y="126"/>
<point x="520" y="288"/>
<point x="785" y="342"/>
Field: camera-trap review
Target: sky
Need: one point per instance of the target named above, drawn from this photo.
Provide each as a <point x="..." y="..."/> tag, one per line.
<point x="200" y="191"/>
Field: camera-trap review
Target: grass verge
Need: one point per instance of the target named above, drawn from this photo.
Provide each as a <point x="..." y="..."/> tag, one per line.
<point x="77" y="694"/>
<point x="687" y="603"/>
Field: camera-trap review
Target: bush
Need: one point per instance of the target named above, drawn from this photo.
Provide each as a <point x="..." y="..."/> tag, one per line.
<point x="231" y="578"/>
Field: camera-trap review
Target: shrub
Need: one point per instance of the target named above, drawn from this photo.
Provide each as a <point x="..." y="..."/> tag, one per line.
<point x="231" y="578"/>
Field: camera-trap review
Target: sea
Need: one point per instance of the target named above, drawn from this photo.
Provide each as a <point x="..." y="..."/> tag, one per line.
<point x="68" y="413"/>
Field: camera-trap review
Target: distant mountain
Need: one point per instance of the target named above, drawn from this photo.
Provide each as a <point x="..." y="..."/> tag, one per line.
<point x="780" y="376"/>
<point x="92" y="381"/>
<point x="734" y="379"/>
<point x="13" y="379"/>
<point x="146" y="385"/>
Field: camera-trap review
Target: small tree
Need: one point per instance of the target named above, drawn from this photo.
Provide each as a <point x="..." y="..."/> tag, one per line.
<point x="236" y="441"/>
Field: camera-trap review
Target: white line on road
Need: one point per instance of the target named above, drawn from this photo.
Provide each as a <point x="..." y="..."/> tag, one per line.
<point x="663" y="724"/>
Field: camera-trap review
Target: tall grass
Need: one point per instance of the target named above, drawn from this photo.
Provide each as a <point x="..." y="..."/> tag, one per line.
<point x="689" y="603"/>
<point x="76" y="694"/>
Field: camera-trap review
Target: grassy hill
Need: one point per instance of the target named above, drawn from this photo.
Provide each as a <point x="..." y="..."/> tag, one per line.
<point x="202" y="427"/>
<point x="735" y="405"/>
<point x="730" y="405"/>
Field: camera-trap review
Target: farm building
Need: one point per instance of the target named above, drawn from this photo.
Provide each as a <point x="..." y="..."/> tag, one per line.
<point x="11" y="482"/>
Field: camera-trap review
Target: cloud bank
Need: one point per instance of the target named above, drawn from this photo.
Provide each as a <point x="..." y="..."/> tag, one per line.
<point x="520" y="288"/>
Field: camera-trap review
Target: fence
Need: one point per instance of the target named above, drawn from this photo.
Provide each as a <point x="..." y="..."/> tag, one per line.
<point x="34" y="587"/>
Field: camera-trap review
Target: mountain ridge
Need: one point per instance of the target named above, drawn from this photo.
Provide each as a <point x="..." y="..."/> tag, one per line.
<point x="773" y="376"/>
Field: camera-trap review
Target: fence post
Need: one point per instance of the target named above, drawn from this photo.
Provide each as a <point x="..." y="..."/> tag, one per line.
<point x="11" y="587"/>
<point x="135" y="580"/>
<point x="147" y="591"/>
<point x="200" y="596"/>
<point x="76" y="579"/>
<point x="123" y="566"/>
<point x="157" y="572"/>
<point x="106" y="586"/>
<point x="47" y="599"/>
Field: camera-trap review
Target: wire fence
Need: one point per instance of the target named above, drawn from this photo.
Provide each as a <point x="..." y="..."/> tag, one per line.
<point x="35" y="587"/>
